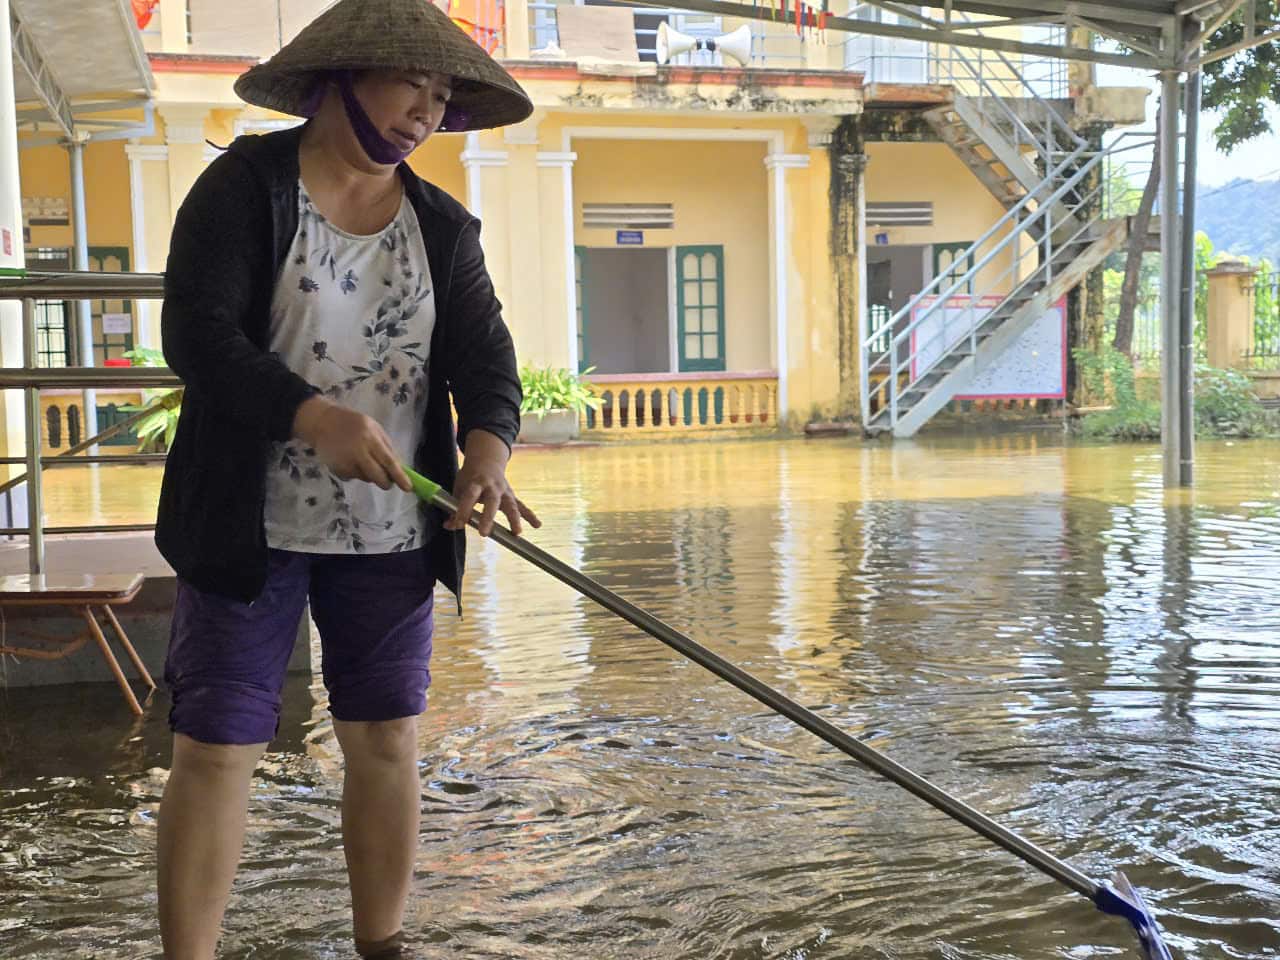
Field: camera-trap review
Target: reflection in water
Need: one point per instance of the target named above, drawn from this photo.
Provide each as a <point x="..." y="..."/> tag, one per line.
<point x="1038" y="628"/>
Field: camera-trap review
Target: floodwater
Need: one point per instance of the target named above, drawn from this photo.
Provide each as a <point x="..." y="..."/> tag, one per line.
<point x="1036" y="627"/>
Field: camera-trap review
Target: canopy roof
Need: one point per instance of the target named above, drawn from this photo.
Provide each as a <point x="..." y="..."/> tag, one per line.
<point x="74" y="60"/>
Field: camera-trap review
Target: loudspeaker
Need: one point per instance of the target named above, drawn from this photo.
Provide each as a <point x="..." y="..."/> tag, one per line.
<point x="736" y="45"/>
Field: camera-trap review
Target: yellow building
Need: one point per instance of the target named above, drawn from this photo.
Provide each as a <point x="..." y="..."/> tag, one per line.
<point x="721" y="243"/>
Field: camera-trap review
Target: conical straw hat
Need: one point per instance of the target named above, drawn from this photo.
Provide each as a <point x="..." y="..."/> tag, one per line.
<point x="394" y="35"/>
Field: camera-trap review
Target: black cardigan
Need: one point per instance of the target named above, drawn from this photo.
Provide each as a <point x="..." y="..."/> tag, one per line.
<point x="230" y="238"/>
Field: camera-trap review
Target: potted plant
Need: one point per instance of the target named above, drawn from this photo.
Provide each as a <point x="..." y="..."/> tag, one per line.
<point x="155" y="432"/>
<point x="554" y="399"/>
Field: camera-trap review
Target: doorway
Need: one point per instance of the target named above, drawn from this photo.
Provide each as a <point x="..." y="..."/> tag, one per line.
<point x="624" y="313"/>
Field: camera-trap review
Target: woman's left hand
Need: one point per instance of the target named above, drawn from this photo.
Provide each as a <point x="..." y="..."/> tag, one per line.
<point x="482" y="481"/>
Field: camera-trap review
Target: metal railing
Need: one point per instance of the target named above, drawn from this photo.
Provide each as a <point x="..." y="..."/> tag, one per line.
<point x="892" y="60"/>
<point x="543" y="32"/>
<point x="1263" y="350"/>
<point x="994" y="83"/>
<point x="32" y="379"/>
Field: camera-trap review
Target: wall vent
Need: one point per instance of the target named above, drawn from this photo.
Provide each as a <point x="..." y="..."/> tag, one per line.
<point x="900" y="214"/>
<point x="628" y="216"/>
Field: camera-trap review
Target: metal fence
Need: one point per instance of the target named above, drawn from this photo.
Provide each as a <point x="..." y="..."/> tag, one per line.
<point x="31" y="378"/>
<point x="1146" y="345"/>
<point x="1263" y="351"/>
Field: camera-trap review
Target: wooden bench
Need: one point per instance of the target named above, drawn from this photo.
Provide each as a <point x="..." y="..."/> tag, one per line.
<point x="81" y="593"/>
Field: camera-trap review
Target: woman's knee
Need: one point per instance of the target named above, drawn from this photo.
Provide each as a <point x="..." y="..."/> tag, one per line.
<point x="382" y="741"/>
<point x="216" y="759"/>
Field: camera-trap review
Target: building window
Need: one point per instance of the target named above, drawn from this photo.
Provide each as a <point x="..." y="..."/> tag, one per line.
<point x="53" y="341"/>
<point x="53" y="426"/>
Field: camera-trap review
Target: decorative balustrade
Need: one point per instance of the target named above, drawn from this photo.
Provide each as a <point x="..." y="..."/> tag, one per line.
<point x="663" y="404"/>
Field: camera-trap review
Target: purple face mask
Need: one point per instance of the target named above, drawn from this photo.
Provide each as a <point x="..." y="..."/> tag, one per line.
<point x="376" y="146"/>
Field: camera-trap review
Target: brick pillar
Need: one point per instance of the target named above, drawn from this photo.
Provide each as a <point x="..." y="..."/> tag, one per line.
<point x="1229" y="324"/>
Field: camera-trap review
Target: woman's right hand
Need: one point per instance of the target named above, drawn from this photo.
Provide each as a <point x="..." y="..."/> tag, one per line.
<point x="352" y="445"/>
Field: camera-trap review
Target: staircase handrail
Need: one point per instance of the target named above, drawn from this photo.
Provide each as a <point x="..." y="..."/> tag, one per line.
<point x="1060" y="131"/>
<point x="1059" y="126"/>
<point x="1042" y="212"/>
<point x="1046" y="211"/>
<point x="1016" y="216"/>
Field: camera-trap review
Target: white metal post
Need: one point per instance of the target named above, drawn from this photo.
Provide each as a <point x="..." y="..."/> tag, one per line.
<point x="85" y="315"/>
<point x="1187" y="300"/>
<point x="1170" y="288"/>
<point x="35" y="489"/>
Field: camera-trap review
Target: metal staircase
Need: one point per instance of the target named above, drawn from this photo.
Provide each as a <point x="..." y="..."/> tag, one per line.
<point x="1051" y="236"/>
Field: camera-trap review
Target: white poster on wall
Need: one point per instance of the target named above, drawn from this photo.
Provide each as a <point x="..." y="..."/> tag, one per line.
<point x="117" y="323"/>
<point x="1034" y="366"/>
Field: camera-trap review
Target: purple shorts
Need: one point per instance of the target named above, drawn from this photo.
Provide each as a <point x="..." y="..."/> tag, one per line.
<point x="226" y="663"/>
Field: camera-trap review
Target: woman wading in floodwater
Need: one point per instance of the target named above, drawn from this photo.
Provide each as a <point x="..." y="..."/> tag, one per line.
<point x="323" y="306"/>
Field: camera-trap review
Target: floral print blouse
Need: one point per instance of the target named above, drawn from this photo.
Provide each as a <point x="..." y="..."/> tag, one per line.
<point x="353" y="316"/>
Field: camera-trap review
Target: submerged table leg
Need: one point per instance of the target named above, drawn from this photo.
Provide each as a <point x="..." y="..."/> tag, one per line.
<point x="96" y="631"/>
<point x="128" y="648"/>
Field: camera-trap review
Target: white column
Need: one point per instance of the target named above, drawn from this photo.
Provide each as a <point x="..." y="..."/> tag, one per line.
<point x="80" y="252"/>
<point x="564" y="160"/>
<point x="861" y="318"/>
<point x="137" y="153"/>
<point x="1170" y="290"/>
<point x="780" y="260"/>
<point x="184" y="136"/>
<point x="474" y="160"/>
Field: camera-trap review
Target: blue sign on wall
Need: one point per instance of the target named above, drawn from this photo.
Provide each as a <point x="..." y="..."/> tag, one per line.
<point x="631" y="238"/>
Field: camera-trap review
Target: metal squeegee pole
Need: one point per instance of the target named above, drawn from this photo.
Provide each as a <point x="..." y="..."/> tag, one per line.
<point x="926" y="791"/>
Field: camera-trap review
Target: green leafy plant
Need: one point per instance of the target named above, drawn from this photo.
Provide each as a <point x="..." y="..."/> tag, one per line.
<point x="552" y="388"/>
<point x="155" y="431"/>
<point x="1226" y="406"/>
<point x="1107" y="377"/>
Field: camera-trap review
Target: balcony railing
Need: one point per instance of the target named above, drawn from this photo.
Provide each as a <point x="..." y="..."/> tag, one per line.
<point x="658" y="404"/>
<point x="771" y="45"/>
<point x="32" y="379"/>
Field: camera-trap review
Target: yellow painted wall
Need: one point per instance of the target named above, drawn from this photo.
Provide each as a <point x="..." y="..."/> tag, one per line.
<point x="813" y="335"/>
<point x="64" y="400"/>
<point x="46" y="172"/>
<point x="963" y="210"/>
<point x="720" y="194"/>
<point x="436" y="161"/>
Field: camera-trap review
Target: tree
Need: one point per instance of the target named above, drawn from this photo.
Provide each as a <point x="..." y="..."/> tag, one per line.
<point x="1242" y="86"/>
<point x="1123" y="339"/>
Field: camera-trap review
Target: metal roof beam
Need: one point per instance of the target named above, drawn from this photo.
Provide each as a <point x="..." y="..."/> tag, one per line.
<point x="1142" y="43"/>
<point x="904" y="11"/>
<point x="1192" y="47"/>
<point x="1235" y="48"/>
<point x="1150" y="28"/>
<point x="728" y="8"/>
<point x="1044" y="18"/>
<point x="27" y="54"/>
<point x="1097" y="11"/>
<point x="1186" y="8"/>
<point x="125" y="11"/>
